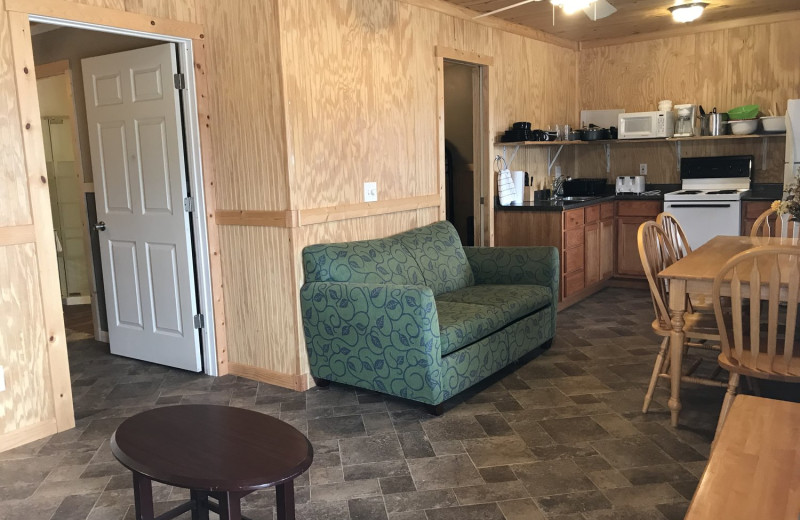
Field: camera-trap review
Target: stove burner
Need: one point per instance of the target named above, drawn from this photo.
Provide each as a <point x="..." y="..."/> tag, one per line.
<point x="722" y="192"/>
<point x="689" y="192"/>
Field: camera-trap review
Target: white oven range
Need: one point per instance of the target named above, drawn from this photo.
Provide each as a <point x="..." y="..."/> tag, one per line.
<point x="710" y="201"/>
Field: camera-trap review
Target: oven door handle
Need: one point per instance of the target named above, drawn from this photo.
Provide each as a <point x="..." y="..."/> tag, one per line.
<point x="678" y="205"/>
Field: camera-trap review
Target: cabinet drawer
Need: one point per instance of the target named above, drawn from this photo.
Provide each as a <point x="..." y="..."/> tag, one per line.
<point x="573" y="238"/>
<point x="752" y="210"/>
<point x="573" y="259"/>
<point x="606" y="210"/>
<point x="592" y="213"/>
<point x="573" y="218"/>
<point x="573" y="283"/>
<point x="638" y="208"/>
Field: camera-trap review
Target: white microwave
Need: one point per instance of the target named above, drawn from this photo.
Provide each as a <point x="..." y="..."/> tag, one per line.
<point x="645" y="125"/>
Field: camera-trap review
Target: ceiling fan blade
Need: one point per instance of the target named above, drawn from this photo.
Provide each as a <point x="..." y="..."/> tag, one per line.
<point x="599" y="9"/>
<point x="512" y="6"/>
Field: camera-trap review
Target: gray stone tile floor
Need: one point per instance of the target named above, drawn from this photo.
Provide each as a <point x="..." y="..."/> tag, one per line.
<point x="558" y="436"/>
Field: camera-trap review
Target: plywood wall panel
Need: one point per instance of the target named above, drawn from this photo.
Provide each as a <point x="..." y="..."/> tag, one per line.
<point x="725" y="68"/>
<point x="27" y="400"/>
<point x="260" y="297"/>
<point x="181" y="10"/>
<point x="15" y="207"/>
<point x="246" y="103"/>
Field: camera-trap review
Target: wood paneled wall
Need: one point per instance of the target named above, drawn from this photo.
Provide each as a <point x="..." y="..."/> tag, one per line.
<point x="724" y="69"/>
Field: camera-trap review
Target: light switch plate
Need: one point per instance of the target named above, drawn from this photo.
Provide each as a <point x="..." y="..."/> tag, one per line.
<point x="370" y="191"/>
<point x="2" y="379"/>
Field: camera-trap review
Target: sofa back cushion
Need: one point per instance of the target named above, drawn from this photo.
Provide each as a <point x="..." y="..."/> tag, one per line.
<point x="440" y="256"/>
<point x="383" y="260"/>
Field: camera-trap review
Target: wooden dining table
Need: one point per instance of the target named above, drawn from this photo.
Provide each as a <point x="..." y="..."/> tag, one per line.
<point x="694" y="274"/>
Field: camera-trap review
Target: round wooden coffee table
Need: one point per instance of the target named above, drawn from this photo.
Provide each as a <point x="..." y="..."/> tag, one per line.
<point x="215" y="451"/>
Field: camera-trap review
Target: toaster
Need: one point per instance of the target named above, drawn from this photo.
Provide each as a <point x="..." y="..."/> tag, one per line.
<point x="631" y="184"/>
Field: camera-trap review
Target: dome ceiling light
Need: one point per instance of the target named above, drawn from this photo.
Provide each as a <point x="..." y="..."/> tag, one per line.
<point x="687" y="12"/>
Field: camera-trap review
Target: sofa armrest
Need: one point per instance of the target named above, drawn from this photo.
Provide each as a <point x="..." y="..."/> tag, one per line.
<point x="378" y="336"/>
<point x="534" y="265"/>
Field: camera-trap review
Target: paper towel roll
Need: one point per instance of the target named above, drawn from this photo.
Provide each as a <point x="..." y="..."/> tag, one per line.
<point x="519" y="186"/>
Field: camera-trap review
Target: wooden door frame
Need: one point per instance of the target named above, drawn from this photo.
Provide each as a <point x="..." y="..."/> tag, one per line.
<point x="483" y="185"/>
<point x="40" y="232"/>
<point x="49" y="70"/>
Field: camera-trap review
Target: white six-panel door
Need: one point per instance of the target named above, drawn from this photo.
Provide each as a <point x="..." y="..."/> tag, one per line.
<point x="136" y="145"/>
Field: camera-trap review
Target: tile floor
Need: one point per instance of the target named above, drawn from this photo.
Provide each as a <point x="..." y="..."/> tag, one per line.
<point x="561" y="437"/>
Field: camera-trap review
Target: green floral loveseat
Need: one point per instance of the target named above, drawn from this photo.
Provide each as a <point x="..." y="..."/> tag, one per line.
<point x="418" y="316"/>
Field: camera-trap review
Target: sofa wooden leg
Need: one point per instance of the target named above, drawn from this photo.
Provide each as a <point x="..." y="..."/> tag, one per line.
<point x="322" y="383"/>
<point x="436" y="409"/>
<point x="547" y="344"/>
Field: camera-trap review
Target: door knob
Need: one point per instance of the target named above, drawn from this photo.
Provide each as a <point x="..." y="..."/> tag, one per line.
<point x="100" y="226"/>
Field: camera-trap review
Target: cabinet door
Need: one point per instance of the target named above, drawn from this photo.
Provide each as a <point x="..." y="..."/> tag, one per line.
<point x="592" y="252"/>
<point x="628" y="262"/>
<point x="751" y="210"/>
<point x="606" y="249"/>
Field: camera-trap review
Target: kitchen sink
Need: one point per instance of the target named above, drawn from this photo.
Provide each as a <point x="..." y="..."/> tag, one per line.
<point x="580" y="199"/>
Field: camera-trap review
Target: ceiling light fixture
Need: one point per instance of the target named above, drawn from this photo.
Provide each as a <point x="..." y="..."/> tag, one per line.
<point x="572" y="6"/>
<point x="687" y="12"/>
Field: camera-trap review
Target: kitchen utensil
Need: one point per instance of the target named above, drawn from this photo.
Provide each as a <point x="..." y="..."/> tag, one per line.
<point x="743" y="112"/>
<point x="594" y="133"/>
<point x="774" y="123"/>
<point x="612" y="132"/>
<point x="743" y="126"/>
<point x="702" y="112"/>
<point x="714" y="123"/>
<point x="575" y="135"/>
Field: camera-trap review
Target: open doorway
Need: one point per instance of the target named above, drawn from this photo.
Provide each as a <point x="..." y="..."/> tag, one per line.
<point x="464" y="143"/>
<point x="60" y="42"/>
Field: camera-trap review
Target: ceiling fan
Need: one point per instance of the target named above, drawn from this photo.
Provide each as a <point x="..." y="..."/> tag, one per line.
<point x="594" y="9"/>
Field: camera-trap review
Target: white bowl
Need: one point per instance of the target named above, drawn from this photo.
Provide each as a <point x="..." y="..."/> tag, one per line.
<point x="773" y="123"/>
<point x="743" y="126"/>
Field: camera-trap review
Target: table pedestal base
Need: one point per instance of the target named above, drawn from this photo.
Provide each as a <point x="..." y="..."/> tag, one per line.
<point x="228" y="505"/>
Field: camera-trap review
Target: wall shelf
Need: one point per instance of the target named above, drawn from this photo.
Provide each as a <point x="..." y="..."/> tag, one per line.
<point x="634" y="141"/>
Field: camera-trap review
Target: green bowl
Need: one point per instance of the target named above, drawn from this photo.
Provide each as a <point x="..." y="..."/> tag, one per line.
<point x="744" y="112"/>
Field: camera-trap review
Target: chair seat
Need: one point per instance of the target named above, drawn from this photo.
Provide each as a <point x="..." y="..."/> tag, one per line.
<point x="698" y="325"/>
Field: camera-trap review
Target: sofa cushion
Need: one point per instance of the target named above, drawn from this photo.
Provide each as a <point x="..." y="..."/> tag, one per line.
<point x="513" y="301"/>
<point x="383" y="260"/>
<point x="439" y="254"/>
<point x="461" y="324"/>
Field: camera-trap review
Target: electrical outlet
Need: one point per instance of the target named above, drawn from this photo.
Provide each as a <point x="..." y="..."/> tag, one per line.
<point x="2" y="379"/>
<point x="370" y="191"/>
<point x="643" y="169"/>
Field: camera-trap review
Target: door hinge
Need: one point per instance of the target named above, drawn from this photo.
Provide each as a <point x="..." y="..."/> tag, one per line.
<point x="199" y="321"/>
<point x="482" y="202"/>
<point x="188" y="204"/>
<point x="180" y="81"/>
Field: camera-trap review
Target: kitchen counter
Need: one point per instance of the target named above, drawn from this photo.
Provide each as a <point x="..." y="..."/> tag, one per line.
<point x="768" y="192"/>
<point x="609" y="196"/>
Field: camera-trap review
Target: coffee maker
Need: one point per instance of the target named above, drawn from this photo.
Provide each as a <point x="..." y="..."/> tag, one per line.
<point x="684" y="122"/>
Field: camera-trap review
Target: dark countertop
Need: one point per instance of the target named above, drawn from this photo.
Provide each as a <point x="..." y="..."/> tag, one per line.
<point x="757" y="192"/>
<point x="765" y="192"/>
<point x="608" y="196"/>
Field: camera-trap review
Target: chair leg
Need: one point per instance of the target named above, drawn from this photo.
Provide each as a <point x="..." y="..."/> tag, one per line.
<point x="733" y="384"/>
<point x="656" y="371"/>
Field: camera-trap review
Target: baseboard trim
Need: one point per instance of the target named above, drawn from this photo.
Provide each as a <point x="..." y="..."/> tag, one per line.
<point x="27" y="434"/>
<point x="291" y="381"/>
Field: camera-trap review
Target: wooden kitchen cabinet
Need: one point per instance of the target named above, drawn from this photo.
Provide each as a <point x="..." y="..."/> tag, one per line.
<point x="573" y="275"/>
<point x="631" y="215"/>
<point x="751" y="210"/>
<point x="607" y="246"/>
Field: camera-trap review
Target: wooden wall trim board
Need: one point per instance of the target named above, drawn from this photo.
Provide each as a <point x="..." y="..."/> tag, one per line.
<point x="39" y="196"/>
<point x="440" y="137"/>
<point x="464" y="56"/>
<point x="688" y="29"/>
<point x="15" y="235"/>
<point x="490" y="21"/>
<point x="109" y="17"/>
<point x="237" y="217"/>
<point x="52" y="69"/>
<point x="26" y="434"/>
<point x="210" y="201"/>
<point x="297" y="382"/>
<point x="366" y="209"/>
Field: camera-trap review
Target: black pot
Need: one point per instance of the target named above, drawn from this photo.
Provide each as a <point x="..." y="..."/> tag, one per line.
<point x="594" y="133"/>
<point x="522" y="125"/>
<point x="575" y="135"/>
